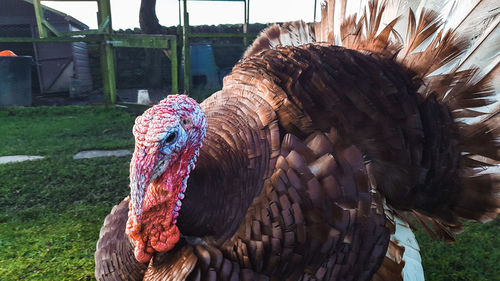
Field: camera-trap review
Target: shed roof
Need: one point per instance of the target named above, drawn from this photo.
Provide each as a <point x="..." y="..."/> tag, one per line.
<point x="67" y="17"/>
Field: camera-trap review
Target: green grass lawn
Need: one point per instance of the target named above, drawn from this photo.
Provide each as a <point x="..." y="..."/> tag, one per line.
<point x="51" y="210"/>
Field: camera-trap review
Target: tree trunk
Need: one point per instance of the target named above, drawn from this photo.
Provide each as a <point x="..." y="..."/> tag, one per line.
<point x="150" y="25"/>
<point x="147" y="17"/>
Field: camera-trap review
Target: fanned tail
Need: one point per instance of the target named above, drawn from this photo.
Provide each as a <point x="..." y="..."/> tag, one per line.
<point x="449" y="47"/>
<point x="458" y="91"/>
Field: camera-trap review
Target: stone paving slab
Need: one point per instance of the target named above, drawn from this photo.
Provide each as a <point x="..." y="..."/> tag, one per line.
<point x="18" y="158"/>
<point x="101" y="153"/>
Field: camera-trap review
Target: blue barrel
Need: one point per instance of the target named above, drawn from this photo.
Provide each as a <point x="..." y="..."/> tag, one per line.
<point x="15" y="81"/>
<point x="203" y="64"/>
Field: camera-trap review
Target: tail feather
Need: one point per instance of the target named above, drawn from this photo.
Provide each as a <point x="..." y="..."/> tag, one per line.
<point x="473" y="204"/>
<point x="492" y="75"/>
<point x="472" y="17"/>
<point x="402" y="260"/>
<point x="325" y="29"/>
<point x="402" y="12"/>
<point x="484" y="52"/>
<point x="435" y="228"/>
<point x="294" y="33"/>
<point x="477" y="21"/>
<point x="460" y="11"/>
<point x="363" y="33"/>
<point x="413" y="270"/>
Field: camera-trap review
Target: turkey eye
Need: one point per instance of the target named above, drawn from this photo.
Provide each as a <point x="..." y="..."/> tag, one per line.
<point x="170" y="138"/>
<point x="185" y="121"/>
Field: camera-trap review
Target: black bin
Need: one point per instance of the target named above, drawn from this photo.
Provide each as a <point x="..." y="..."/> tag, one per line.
<point x="15" y="81"/>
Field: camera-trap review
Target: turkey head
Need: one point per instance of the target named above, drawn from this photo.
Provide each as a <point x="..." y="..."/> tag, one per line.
<point x="168" y="137"/>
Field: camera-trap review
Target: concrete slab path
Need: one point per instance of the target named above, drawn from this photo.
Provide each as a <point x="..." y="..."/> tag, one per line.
<point x="18" y="158"/>
<point x="101" y="153"/>
<point x="80" y="155"/>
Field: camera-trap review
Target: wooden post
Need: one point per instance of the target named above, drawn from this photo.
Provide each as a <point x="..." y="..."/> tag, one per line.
<point x="186" y="51"/>
<point x="104" y="15"/>
<point x="245" y="23"/>
<point x="42" y="31"/>
<point x="173" y="61"/>
<point x="248" y="12"/>
<point x="108" y="73"/>
<point x="107" y="53"/>
<point x="315" y="4"/>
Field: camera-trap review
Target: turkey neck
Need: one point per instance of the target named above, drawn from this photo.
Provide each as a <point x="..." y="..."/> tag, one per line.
<point x="234" y="161"/>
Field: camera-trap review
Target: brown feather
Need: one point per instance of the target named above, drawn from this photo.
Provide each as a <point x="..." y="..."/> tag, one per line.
<point x="179" y="265"/>
<point x="114" y="256"/>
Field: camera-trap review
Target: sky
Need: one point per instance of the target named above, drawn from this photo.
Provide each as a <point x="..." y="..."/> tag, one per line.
<point x="125" y="13"/>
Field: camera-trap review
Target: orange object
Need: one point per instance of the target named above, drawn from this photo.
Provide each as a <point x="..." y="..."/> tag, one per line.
<point x="7" y="53"/>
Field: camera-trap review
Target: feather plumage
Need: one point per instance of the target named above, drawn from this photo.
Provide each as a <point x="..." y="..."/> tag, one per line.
<point x="307" y="140"/>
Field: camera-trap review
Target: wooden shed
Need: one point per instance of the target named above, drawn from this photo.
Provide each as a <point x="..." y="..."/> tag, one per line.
<point x="58" y="67"/>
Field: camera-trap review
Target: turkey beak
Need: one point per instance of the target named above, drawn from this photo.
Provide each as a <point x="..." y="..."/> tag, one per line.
<point x="160" y="168"/>
<point x="148" y="164"/>
<point x="145" y="170"/>
<point x="139" y="181"/>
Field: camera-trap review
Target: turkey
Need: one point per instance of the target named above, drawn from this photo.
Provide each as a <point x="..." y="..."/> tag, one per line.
<point x="326" y="140"/>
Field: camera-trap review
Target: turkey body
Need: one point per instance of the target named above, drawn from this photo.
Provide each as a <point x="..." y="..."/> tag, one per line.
<point x="281" y="190"/>
<point x="312" y="153"/>
<point x="302" y="201"/>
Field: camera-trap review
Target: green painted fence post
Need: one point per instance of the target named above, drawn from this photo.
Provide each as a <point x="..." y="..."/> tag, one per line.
<point x="42" y="31"/>
<point x="108" y="73"/>
<point x="173" y="66"/>
<point x="107" y="54"/>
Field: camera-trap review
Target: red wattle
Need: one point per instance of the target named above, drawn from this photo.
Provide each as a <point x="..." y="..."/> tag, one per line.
<point x="140" y="254"/>
<point x="154" y="231"/>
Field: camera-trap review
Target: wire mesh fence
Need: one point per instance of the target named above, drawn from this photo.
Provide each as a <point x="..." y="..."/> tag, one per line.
<point x="72" y="70"/>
